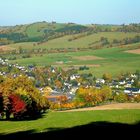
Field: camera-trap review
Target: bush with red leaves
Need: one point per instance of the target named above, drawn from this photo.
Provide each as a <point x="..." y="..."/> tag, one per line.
<point x="18" y="105"/>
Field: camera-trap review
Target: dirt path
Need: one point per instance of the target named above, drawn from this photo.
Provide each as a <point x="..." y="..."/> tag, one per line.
<point x="109" y="107"/>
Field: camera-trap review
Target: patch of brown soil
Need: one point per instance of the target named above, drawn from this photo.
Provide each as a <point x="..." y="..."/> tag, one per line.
<point x="136" y="51"/>
<point x="116" y="106"/>
<point x="88" y="65"/>
<point x="59" y="62"/>
<point x="84" y="58"/>
<point x="5" y="48"/>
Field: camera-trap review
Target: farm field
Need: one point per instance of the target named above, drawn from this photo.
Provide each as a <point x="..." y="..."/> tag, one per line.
<point x="107" y="60"/>
<point x="79" y="52"/>
<point x="54" y="121"/>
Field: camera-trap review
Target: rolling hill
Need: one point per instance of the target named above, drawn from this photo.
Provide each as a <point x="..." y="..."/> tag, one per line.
<point x="39" y="31"/>
<point x="70" y="45"/>
<point x="43" y="31"/>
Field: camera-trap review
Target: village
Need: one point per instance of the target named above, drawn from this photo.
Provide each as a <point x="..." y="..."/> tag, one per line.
<point x="59" y="83"/>
<point x="69" y="69"/>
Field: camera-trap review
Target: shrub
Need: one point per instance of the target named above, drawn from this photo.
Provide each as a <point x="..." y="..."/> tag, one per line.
<point x="137" y="98"/>
<point x="121" y="98"/>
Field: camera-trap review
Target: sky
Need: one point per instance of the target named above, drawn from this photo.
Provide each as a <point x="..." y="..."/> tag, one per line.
<point x="13" y="12"/>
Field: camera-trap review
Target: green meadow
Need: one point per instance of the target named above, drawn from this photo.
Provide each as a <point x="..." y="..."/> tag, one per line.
<point x="82" y="42"/>
<point x="113" y="60"/>
<point x="56" y="120"/>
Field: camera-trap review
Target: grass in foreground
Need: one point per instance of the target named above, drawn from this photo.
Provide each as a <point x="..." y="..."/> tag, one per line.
<point x="59" y="120"/>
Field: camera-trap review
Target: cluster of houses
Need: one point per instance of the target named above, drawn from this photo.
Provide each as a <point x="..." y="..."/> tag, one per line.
<point x="23" y="69"/>
<point x="69" y="89"/>
<point x="126" y="84"/>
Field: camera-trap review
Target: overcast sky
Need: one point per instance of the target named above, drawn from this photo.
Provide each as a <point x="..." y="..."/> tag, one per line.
<point x="14" y="12"/>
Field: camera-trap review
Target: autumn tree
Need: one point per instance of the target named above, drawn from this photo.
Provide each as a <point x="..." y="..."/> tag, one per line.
<point x="137" y="98"/>
<point x="105" y="93"/>
<point x="107" y="77"/>
<point x="18" y="106"/>
<point x="63" y="99"/>
<point x="121" y="97"/>
<point x="58" y="84"/>
<point x="20" y="97"/>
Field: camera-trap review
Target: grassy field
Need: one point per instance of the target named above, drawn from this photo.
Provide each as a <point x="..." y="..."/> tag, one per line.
<point x="78" y="43"/>
<point x="55" y="120"/>
<point x="113" y="60"/>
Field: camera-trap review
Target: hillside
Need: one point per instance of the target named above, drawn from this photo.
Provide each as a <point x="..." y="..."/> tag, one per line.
<point x="39" y="31"/>
<point x="44" y="31"/>
<point x="102" y="48"/>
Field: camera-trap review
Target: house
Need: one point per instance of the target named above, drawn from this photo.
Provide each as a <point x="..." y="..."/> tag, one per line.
<point x="67" y="85"/>
<point x="73" y="90"/>
<point x="128" y="84"/>
<point x="73" y="77"/>
<point x="132" y="81"/>
<point x="102" y="81"/>
<point x="54" y="96"/>
<point x="122" y="82"/>
<point x="133" y="76"/>
<point x="114" y="84"/>
<point x="98" y="86"/>
<point x="53" y="71"/>
<point x="132" y="91"/>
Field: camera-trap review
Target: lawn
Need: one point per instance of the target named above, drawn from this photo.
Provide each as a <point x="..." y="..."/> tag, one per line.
<point x="57" y="120"/>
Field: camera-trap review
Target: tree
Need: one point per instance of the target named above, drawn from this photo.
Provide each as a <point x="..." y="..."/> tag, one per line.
<point x="136" y="83"/>
<point x="58" y="84"/>
<point x="21" y="98"/>
<point x="107" y="77"/>
<point x="105" y="93"/>
<point x="63" y="99"/>
<point x="1" y="79"/>
<point x="138" y="74"/>
<point x="104" y="41"/>
<point x="47" y="91"/>
<point x="137" y="98"/>
<point x="18" y="106"/>
<point x="121" y="98"/>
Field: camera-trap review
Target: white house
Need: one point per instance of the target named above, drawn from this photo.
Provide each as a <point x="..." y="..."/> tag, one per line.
<point x="132" y="91"/>
<point x="73" y="77"/>
<point x="122" y="82"/>
<point x="133" y="76"/>
<point x="73" y="90"/>
<point x="128" y="84"/>
<point x="100" y="81"/>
